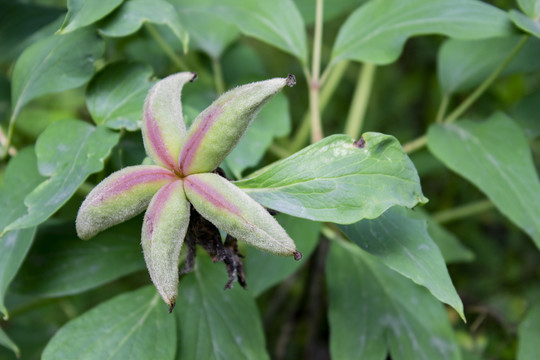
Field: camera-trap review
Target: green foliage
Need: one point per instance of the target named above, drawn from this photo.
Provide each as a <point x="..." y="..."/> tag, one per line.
<point x="334" y="180"/>
<point x="384" y="273"/>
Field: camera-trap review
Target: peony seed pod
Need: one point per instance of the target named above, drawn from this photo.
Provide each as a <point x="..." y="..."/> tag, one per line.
<point x="119" y="197"/>
<point x="233" y="211"/>
<point x="216" y="130"/>
<point x="163" y="126"/>
<point x="164" y="228"/>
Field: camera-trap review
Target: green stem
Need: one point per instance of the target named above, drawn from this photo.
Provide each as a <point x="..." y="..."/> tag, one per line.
<point x="278" y="151"/>
<point x="360" y="101"/>
<point x="463" y="211"/>
<point x="486" y="84"/>
<point x="415" y="145"/>
<point x="167" y="49"/>
<point x="330" y="86"/>
<point x="442" y="109"/>
<point x="218" y="76"/>
<point x="314" y="85"/>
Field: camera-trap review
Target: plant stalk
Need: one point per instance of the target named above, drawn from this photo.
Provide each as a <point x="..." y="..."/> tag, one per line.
<point x="314" y="85"/>
<point x="442" y="109"/>
<point x="218" y="76"/>
<point x="463" y="211"/>
<point x="328" y="89"/>
<point x="486" y="84"/>
<point x="167" y="49"/>
<point x="415" y="145"/>
<point x="360" y="101"/>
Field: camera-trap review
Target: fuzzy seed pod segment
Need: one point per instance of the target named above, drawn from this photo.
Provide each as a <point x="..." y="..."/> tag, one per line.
<point x="217" y="129"/>
<point x="119" y="197"/>
<point x="233" y="211"/>
<point x="163" y="126"/>
<point x="164" y="228"/>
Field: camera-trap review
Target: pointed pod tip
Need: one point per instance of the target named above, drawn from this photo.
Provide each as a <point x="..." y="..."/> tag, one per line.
<point x="194" y="74"/>
<point x="171" y="307"/>
<point x="297" y="255"/>
<point x="291" y="80"/>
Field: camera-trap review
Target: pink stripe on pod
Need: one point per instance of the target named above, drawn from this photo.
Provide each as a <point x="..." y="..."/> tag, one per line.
<point x="157" y="142"/>
<point x="192" y="144"/>
<point x="211" y="195"/>
<point x="153" y="214"/>
<point x="137" y="177"/>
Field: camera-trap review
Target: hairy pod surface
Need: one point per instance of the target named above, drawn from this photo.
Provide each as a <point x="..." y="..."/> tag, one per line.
<point x="217" y="129"/>
<point x="233" y="211"/>
<point x="164" y="228"/>
<point x="119" y="197"/>
<point x="163" y="126"/>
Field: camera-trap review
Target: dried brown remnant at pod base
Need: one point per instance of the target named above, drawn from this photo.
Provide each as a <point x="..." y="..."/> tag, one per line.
<point x="360" y="143"/>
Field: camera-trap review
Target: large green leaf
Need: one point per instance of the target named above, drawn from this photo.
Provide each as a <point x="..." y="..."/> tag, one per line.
<point x="129" y="18"/>
<point x="530" y="7"/>
<point x="55" y="64"/>
<point x="264" y="270"/>
<point x="82" y="13"/>
<point x="115" y="97"/>
<point x="61" y="264"/>
<point x="528" y="335"/>
<point x="211" y="34"/>
<point x="20" y="178"/>
<point x="133" y="325"/>
<point x="214" y="323"/>
<point x="21" y="24"/>
<point x="525" y="23"/>
<point x="374" y="310"/>
<point x="464" y="64"/>
<point x="401" y="241"/>
<point x="277" y="22"/>
<point x="273" y="121"/>
<point x="67" y="151"/>
<point x="334" y="180"/>
<point x="494" y="155"/>
<point x="8" y="343"/>
<point x="377" y="31"/>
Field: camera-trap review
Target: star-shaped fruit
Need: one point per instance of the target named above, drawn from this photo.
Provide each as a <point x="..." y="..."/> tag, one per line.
<point x="183" y="175"/>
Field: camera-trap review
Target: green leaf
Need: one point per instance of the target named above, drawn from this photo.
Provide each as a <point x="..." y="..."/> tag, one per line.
<point x="20" y="178"/>
<point x="82" y="13"/>
<point x="264" y="270"/>
<point x="333" y="180"/>
<point x="401" y="241"/>
<point x="54" y="64"/>
<point x="211" y="34"/>
<point x="374" y="310"/>
<point x="115" y="96"/>
<point x="8" y="343"/>
<point x="494" y="155"/>
<point x="129" y="18"/>
<point x="273" y="121"/>
<point x="463" y="65"/>
<point x="530" y="7"/>
<point x="277" y="22"/>
<point x="528" y="335"/>
<point x="525" y="23"/>
<point x="68" y="151"/>
<point x="377" y="31"/>
<point x="215" y="323"/>
<point x="133" y="325"/>
<point x="22" y="24"/>
<point x="61" y="264"/>
<point x="526" y="114"/>
<point x="451" y="248"/>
